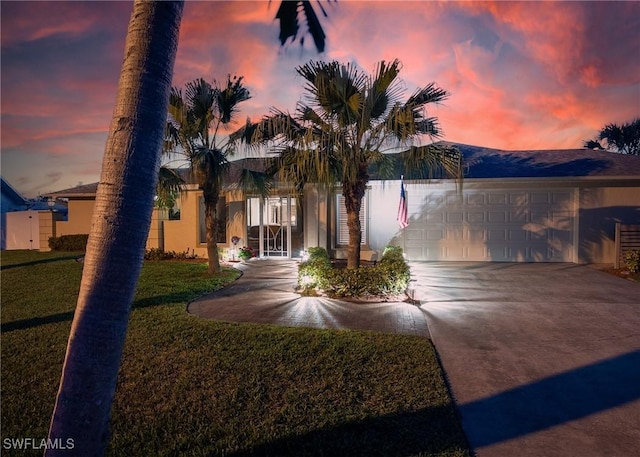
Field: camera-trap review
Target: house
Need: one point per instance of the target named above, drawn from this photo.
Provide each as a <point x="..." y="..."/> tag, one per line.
<point x="521" y="206"/>
<point x="22" y="219"/>
<point x="10" y="200"/>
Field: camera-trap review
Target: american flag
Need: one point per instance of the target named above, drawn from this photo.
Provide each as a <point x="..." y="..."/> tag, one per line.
<point x="403" y="215"/>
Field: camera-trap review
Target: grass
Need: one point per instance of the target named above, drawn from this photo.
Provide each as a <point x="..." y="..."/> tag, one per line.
<point x="194" y="387"/>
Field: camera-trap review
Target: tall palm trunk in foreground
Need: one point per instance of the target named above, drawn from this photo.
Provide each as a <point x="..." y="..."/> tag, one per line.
<point x="120" y="226"/>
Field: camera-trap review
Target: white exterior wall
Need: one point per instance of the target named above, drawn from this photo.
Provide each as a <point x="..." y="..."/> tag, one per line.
<point x="529" y="220"/>
<point x="600" y="209"/>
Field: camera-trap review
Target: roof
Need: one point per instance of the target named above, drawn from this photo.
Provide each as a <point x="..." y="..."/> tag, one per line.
<point x="81" y="191"/>
<point x="496" y="163"/>
<point x="10" y="196"/>
<point x="479" y="162"/>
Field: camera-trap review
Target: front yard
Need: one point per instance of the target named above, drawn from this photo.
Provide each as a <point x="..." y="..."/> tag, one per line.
<point x="194" y="387"/>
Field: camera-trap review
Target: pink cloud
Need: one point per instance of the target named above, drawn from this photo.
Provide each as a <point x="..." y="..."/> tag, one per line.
<point x="521" y="74"/>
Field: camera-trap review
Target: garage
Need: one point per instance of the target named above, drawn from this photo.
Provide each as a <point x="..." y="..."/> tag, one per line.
<point x="514" y="225"/>
<point x="512" y="206"/>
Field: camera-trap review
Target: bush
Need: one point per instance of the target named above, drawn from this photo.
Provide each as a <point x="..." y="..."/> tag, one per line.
<point x="68" y="243"/>
<point x="314" y="272"/>
<point x="246" y="253"/>
<point x="389" y="277"/>
<point x="632" y="259"/>
<point x="160" y="254"/>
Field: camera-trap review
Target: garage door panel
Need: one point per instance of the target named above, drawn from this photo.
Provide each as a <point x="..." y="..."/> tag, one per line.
<point x="518" y="235"/>
<point x="540" y="198"/>
<point x="519" y="216"/>
<point x="475" y="217"/>
<point x="454" y="217"/>
<point x="514" y="225"/>
<point x="494" y="235"/>
<point x="497" y="216"/>
<point x="497" y="198"/>
<point x="476" y="199"/>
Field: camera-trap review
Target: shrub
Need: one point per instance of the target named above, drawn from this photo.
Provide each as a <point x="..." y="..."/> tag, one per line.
<point x="160" y="254"/>
<point x="314" y="272"/>
<point x="69" y="243"/>
<point x="389" y="277"/>
<point x="632" y="259"/>
<point x="245" y="253"/>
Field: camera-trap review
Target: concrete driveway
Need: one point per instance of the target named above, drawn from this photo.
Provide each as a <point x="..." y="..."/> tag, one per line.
<point x="542" y="359"/>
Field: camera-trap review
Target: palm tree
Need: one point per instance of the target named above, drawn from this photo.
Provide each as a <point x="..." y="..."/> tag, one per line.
<point x="289" y="27"/>
<point x="121" y="220"/>
<point x="193" y="127"/>
<point x="350" y="119"/>
<point x="624" y="138"/>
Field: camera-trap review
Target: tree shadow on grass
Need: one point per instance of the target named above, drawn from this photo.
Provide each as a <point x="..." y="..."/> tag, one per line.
<point x="429" y="431"/>
<point x="40" y="261"/>
<point x="23" y="324"/>
<point x="36" y="322"/>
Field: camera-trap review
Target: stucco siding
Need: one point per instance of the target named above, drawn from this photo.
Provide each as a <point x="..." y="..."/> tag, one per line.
<point x="600" y="209"/>
<point x="79" y="218"/>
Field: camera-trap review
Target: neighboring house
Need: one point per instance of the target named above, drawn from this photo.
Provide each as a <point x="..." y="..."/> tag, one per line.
<point x="23" y="220"/>
<point x="11" y="200"/>
<point x="521" y="206"/>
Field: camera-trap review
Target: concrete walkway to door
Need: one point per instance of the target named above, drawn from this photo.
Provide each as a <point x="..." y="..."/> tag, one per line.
<point x="542" y="359"/>
<point x="265" y="294"/>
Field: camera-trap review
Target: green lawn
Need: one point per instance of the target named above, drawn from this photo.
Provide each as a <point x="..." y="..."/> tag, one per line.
<point x="203" y="388"/>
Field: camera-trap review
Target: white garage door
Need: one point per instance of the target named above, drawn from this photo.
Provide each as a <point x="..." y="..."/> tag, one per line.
<point x="490" y="225"/>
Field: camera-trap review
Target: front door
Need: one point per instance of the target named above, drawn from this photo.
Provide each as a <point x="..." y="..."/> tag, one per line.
<point x="273" y="226"/>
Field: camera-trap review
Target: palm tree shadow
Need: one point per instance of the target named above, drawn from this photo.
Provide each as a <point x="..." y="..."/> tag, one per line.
<point x="36" y="322"/>
<point x="553" y="401"/>
<point x="40" y="261"/>
<point x="429" y="431"/>
<point x="23" y="324"/>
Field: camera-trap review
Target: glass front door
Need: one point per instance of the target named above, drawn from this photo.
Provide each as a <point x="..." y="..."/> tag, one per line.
<point x="273" y="226"/>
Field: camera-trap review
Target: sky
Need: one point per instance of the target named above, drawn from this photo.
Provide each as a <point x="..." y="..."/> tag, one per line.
<point x="521" y="75"/>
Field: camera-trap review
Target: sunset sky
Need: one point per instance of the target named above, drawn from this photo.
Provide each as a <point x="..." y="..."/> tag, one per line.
<point x="522" y="75"/>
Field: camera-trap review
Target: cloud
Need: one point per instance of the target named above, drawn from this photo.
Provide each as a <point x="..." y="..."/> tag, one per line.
<point x="522" y="75"/>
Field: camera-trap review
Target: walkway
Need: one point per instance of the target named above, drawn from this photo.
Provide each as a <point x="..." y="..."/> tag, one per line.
<point x="542" y="359"/>
<point x="265" y="294"/>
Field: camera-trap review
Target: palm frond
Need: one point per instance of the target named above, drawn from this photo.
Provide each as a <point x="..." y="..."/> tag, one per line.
<point x="431" y="93"/>
<point x="228" y="97"/>
<point x="170" y="183"/>
<point x="200" y="96"/>
<point x="289" y="27"/>
<point x="255" y="182"/>
<point x="382" y="91"/>
<point x="433" y="161"/>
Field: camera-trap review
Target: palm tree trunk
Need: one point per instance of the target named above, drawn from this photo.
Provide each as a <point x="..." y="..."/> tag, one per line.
<point x="211" y="224"/>
<point x="353" y="194"/>
<point x="120" y="226"/>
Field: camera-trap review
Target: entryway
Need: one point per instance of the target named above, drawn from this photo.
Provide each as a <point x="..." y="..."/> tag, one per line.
<point x="274" y="226"/>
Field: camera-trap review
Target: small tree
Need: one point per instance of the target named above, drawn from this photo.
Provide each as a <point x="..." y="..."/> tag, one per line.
<point x="624" y="138"/>
<point x="195" y="119"/>
<point x="343" y="128"/>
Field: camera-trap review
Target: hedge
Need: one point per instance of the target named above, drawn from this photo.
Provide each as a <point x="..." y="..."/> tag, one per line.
<point x="69" y="243"/>
<point x="389" y="277"/>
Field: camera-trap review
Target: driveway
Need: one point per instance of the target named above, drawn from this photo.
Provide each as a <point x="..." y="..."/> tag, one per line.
<point x="542" y="359"/>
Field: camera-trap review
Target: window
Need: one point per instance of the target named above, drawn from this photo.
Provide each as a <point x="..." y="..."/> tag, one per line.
<point x="342" y="231"/>
<point x="221" y="220"/>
